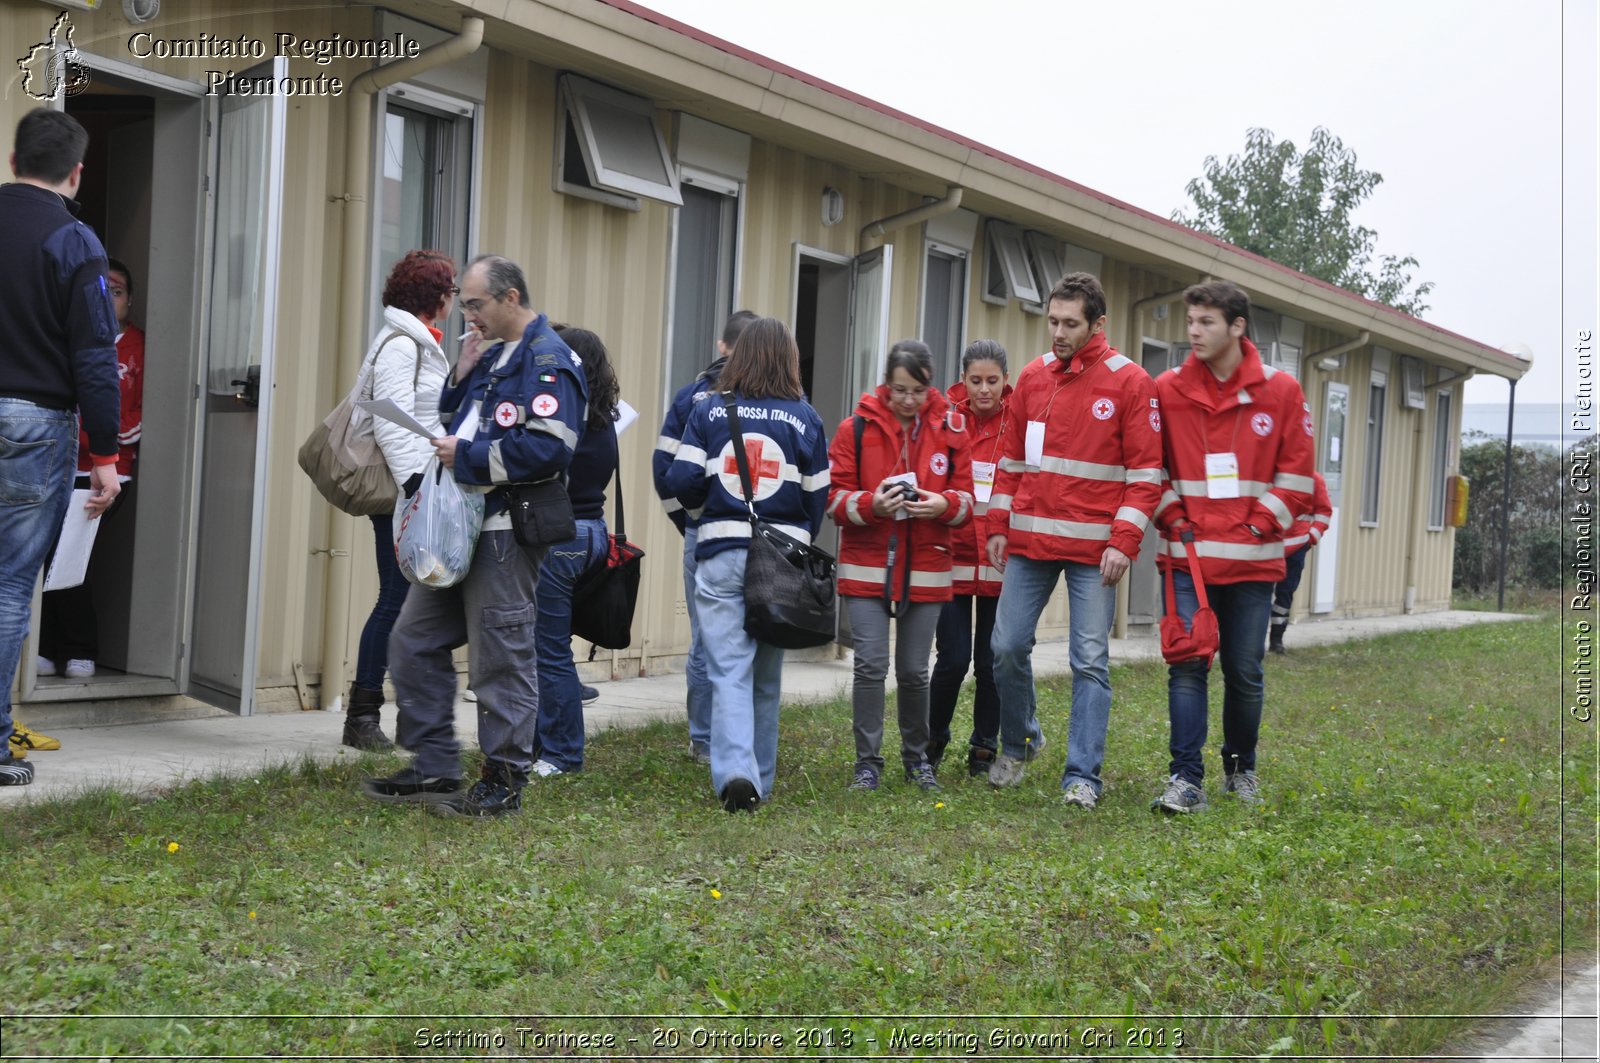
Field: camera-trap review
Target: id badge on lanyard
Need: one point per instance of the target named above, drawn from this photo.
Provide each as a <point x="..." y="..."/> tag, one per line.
<point x="1222" y="475"/>
<point x="1033" y="445"/>
<point x="982" y="480"/>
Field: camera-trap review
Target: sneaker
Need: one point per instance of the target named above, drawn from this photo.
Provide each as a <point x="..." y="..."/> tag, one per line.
<point x="1181" y="795"/>
<point x="922" y="775"/>
<point x="978" y="762"/>
<point x="43" y="666"/>
<point x="408" y="786"/>
<point x="700" y="754"/>
<point x="1005" y="771"/>
<point x="740" y="796"/>
<point x="485" y="800"/>
<point x="24" y="738"/>
<point x="936" y="750"/>
<point x="1033" y="750"/>
<point x="588" y="693"/>
<point x="469" y="695"/>
<point x="1244" y="785"/>
<point x="1080" y="794"/>
<point x="546" y="770"/>
<point x="78" y="668"/>
<point x="14" y="771"/>
<point x="866" y="780"/>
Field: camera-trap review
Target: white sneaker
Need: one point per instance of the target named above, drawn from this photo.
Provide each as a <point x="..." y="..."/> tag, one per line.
<point x="469" y="695"/>
<point x="546" y="770"/>
<point x="78" y="668"/>
<point x="44" y="666"/>
<point x="1080" y="794"/>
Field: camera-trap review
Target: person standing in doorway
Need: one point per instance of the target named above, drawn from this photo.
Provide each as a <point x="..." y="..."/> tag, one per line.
<point x="59" y="357"/>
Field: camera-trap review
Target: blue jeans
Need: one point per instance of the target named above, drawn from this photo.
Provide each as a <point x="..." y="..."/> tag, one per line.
<point x="372" y="658"/>
<point x="560" y="702"/>
<point x="694" y="669"/>
<point x="958" y="642"/>
<point x="745" y="676"/>
<point x="1024" y="592"/>
<point x="38" y="453"/>
<point x="1242" y="612"/>
<point x="1283" y="594"/>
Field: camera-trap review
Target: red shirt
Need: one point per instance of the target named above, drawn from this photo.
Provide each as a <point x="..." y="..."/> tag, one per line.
<point x="130" y="373"/>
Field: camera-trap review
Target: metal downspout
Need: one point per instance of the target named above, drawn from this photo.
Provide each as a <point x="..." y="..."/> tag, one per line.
<point x="875" y="229"/>
<point x="353" y="318"/>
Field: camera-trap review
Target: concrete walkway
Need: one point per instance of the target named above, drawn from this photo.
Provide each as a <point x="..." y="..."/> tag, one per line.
<point x="149" y="757"/>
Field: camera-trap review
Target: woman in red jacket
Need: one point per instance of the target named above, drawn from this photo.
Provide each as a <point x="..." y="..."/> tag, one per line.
<point x="900" y="481"/>
<point x="980" y="395"/>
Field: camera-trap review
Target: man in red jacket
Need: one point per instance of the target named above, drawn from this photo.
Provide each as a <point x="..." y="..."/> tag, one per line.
<point x="1080" y="472"/>
<point x="1237" y="444"/>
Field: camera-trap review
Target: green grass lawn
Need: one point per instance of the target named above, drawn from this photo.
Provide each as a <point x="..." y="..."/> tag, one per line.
<point x="1408" y="861"/>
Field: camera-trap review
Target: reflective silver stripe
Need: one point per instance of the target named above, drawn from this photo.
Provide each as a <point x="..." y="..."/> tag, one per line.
<point x="694" y="514"/>
<point x="1197" y="488"/>
<point x="497" y="465"/>
<point x="838" y="501"/>
<point x="668" y="445"/>
<point x="980" y="509"/>
<point x="1134" y="516"/>
<point x="1230" y="551"/>
<point x="1168" y="498"/>
<point x="1292" y="482"/>
<point x="874" y="574"/>
<point x="1278" y="509"/>
<point x="1070" y="529"/>
<point x="1001" y="502"/>
<point x="1085" y="470"/>
<point x="1012" y="465"/>
<point x="1322" y="518"/>
<point x="930" y="579"/>
<point x="672" y="504"/>
<point x="1117" y="362"/>
<point x="553" y="428"/>
<point x="1293" y="541"/>
<point x="740" y="529"/>
<point x="693" y="455"/>
<point x="1144" y="476"/>
<point x="811" y="483"/>
<point x="990" y="575"/>
<point x="963" y="508"/>
<point x="963" y="572"/>
<point x="852" y="508"/>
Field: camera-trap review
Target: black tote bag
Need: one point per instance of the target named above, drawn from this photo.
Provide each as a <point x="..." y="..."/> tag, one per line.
<point x="604" y="598"/>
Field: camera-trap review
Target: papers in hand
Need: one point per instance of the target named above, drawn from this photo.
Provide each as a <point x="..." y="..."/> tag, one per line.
<point x="387" y="409"/>
<point x="71" y="562"/>
<point x="626" y="415"/>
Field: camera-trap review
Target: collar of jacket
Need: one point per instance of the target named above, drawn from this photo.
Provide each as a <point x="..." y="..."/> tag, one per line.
<point x="961" y="402"/>
<point x="1235" y="391"/>
<point x="874" y="406"/>
<point x="1086" y="357"/>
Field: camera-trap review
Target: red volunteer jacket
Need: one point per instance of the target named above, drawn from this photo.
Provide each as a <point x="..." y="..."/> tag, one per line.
<point x="1260" y="415"/>
<point x="1309" y="528"/>
<point x="935" y="449"/>
<point x="130" y="374"/>
<point x="1099" y="476"/>
<point x="969" y="559"/>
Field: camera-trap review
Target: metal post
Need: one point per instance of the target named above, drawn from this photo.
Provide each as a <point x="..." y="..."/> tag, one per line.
<point x="1505" y="497"/>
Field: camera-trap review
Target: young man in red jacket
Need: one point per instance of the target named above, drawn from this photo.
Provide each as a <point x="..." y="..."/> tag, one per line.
<point x="1237" y="443"/>
<point x="1080" y="472"/>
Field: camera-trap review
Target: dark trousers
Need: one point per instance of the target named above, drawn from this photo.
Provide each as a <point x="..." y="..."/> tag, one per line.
<point x="959" y="642"/>
<point x="372" y="657"/>
<point x="1283" y="592"/>
<point x="69" y="629"/>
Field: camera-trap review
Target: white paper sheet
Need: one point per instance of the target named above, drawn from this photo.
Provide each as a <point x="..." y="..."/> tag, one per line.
<point x="387" y="409"/>
<point x="71" y="563"/>
<point x="626" y="415"/>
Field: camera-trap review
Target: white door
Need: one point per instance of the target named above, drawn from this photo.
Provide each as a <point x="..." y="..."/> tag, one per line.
<point x="1324" y="577"/>
<point x="246" y="206"/>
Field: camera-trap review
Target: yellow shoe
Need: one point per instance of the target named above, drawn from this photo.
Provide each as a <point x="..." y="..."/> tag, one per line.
<point x="24" y="738"/>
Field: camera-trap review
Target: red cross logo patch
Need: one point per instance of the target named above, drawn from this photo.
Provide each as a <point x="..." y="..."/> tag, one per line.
<point x="939" y="463"/>
<point x="1155" y="421"/>
<point x="1103" y="409"/>
<point x="1261" y="424"/>
<point x="1306" y="423"/>
<point x="544" y="406"/>
<point x="765" y="458"/>
<point x="505" y="414"/>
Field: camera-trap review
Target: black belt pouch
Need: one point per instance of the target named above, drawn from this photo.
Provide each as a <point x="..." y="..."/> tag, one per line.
<point x="541" y="513"/>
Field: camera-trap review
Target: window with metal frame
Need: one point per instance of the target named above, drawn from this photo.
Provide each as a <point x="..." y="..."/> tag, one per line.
<point x="944" y="305"/>
<point x="1413" y="389"/>
<point x="703" y="268"/>
<point x="1372" y="463"/>
<point x="610" y="147"/>
<point x="424" y="196"/>
<point x="1049" y="265"/>
<point x="1006" y="270"/>
<point x="1439" y="489"/>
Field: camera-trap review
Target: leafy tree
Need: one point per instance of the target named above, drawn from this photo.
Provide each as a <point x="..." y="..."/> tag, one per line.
<point x="1534" y="558"/>
<point x="1295" y="209"/>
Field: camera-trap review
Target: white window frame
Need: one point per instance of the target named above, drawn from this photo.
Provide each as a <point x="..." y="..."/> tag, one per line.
<point x="1439" y="498"/>
<point x="1003" y="246"/>
<point x="1372" y="459"/>
<point x="608" y="185"/>
<point x="1413" y="384"/>
<point x="1049" y="266"/>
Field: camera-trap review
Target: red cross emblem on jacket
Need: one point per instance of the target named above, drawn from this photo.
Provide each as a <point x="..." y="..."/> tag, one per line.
<point x="761" y="467"/>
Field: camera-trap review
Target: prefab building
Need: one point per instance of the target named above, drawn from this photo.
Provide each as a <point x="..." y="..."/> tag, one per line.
<point x="260" y="171"/>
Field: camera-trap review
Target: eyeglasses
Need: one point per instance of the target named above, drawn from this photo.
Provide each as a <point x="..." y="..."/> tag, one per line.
<point x="454" y="290"/>
<point x="474" y="305"/>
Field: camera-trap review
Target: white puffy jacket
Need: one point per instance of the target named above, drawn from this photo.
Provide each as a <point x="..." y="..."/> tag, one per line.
<point x="392" y="378"/>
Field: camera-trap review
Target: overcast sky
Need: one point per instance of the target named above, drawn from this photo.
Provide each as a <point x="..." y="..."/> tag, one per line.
<point x="1457" y="104"/>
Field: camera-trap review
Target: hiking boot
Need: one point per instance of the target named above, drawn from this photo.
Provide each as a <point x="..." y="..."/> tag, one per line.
<point x="487" y="798"/>
<point x="740" y="796"/>
<point x="408" y="786"/>
<point x="25" y="738"/>
<point x="546" y="770"/>
<point x="1005" y="771"/>
<point x="14" y="771"/>
<point x="922" y="775"/>
<point x="1181" y="795"/>
<point x="866" y="780"/>
<point x="79" y="668"/>
<point x="978" y="761"/>
<point x="1275" y="638"/>
<point x="361" y="730"/>
<point x="587" y="693"/>
<point x="1080" y="794"/>
<point x="936" y="750"/>
<point x="1244" y="785"/>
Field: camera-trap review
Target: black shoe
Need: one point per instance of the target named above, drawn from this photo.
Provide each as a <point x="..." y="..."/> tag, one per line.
<point x="978" y="761"/>
<point x="740" y="796"/>
<point x="485" y="800"/>
<point x="922" y="775"/>
<point x="408" y="786"/>
<point x="361" y="730"/>
<point x="588" y="693"/>
<point x="936" y="750"/>
<point x="14" y="771"/>
<point x="1275" y="639"/>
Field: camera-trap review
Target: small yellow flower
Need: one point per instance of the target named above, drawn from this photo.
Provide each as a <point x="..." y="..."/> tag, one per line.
<point x="1502" y="741"/>
<point x="172" y="847"/>
<point x="716" y="895"/>
<point x="1158" y="930"/>
<point x="252" y="915"/>
<point x="938" y="804"/>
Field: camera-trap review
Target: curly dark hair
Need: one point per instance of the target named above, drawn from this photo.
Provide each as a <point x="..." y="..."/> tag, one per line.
<point x="603" y="386"/>
<point x="420" y="281"/>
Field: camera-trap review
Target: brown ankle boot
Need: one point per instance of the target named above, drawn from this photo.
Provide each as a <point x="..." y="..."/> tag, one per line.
<point x="361" y="730"/>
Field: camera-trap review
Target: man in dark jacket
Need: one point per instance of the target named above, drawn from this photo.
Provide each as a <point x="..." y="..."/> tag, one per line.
<point x="58" y="358"/>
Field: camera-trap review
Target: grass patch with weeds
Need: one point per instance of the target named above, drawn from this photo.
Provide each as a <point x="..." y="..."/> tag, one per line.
<point x="1407" y="860"/>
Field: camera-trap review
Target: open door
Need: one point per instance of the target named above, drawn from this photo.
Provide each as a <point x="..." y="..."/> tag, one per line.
<point x="246" y="206"/>
<point x="1324" y="578"/>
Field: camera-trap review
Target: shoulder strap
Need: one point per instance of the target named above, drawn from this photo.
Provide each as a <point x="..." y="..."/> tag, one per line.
<point x="377" y="349"/>
<point x="860" y="428"/>
<point x="730" y="404"/>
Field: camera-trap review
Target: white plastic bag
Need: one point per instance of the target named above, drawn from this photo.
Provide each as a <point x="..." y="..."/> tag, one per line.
<point x="436" y="529"/>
